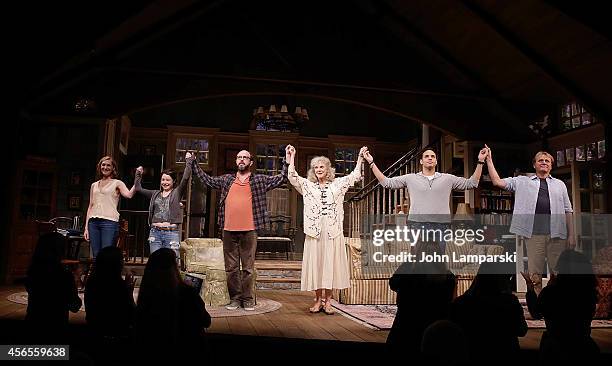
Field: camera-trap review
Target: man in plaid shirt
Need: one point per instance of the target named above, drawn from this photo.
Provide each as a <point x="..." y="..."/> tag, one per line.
<point x="242" y="212"/>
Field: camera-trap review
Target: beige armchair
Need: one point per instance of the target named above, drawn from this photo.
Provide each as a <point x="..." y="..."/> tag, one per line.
<point x="204" y="256"/>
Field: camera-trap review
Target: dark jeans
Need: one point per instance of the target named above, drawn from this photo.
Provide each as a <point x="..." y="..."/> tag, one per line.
<point x="102" y="233"/>
<point x="239" y="246"/>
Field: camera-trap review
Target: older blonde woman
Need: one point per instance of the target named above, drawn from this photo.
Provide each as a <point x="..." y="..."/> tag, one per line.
<point x="325" y="262"/>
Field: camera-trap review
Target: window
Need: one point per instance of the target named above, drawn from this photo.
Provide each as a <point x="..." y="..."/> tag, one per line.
<point x="574" y="115"/>
<point x="196" y="146"/>
<point x="346" y="159"/>
<point x="345" y="162"/>
<point x="269" y="158"/>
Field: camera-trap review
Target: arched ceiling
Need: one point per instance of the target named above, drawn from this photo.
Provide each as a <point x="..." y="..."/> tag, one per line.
<point x="471" y="68"/>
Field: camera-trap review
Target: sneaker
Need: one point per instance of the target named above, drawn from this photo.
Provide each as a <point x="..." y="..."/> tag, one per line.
<point x="249" y="305"/>
<point x="233" y="305"/>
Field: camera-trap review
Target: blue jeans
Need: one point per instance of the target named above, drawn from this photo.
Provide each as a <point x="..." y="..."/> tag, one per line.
<point x="159" y="238"/>
<point x="102" y="233"/>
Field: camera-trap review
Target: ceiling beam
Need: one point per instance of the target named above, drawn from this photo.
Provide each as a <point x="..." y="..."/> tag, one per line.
<point x="384" y="10"/>
<point x="84" y="65"/>
<point x="586" y="13"/>
<point x="537" y="59"/>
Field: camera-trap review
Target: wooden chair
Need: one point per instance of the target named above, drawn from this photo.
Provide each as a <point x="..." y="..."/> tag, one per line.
<point x="279" y="232"/>
<point x="73" y="241"/>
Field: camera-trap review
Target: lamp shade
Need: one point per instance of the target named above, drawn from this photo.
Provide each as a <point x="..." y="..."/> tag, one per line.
<point x="464" y="212"/>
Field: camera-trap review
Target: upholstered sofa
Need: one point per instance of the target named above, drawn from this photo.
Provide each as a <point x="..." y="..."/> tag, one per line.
<point x="369" y="281"/>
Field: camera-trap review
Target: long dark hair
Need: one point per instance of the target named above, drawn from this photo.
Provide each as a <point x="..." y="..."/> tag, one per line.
<point x="47" y="257"/>
<point x="492" y="279"/>
<point x="158" y="298"/>
<point x="109" y="265"/>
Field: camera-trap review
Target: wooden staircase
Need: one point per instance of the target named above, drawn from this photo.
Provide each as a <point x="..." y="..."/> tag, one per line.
<point x="374" y="201"/>
<point x="278" y="275"/>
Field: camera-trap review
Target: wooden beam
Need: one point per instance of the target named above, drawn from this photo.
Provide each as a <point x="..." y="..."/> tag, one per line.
<point x="505" y="33"/>
<point x="384" y="10"/>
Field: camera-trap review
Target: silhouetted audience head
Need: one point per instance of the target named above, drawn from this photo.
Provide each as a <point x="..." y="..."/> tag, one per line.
<point x="161" y="276"/>
<point x="491" y="279"/>
<point x="109" y="263"/>
<point x="47" y="255"/>
<point x="444" y="343"/>
<point x="574" y="269"/>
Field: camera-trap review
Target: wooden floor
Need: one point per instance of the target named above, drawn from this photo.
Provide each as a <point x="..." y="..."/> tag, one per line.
<point x="293" y="320"/>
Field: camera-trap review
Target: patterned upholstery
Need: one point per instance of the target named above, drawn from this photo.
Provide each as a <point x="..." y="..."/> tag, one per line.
<point x="602" y="266"/>
<point x="369" y="281"/>
<point x="205" y="256"/>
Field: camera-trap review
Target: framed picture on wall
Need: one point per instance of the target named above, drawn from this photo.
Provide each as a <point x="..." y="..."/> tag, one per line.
<point x="458" y="149"/>
<point x="75" y="179"/>
<point x="560" y="158"/>
<point x="74" y="201"/>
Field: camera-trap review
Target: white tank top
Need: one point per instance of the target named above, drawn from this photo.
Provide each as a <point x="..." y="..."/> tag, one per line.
<point x="105" y="200"/>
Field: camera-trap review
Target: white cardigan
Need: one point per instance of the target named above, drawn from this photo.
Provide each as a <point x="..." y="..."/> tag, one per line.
<point x="314" y="202"/>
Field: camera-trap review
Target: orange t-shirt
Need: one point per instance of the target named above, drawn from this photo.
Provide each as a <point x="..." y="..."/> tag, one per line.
<point x="239" y="207"/>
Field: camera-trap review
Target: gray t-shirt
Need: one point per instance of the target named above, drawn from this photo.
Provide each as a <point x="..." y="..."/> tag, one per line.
<point x="429" y="198"/>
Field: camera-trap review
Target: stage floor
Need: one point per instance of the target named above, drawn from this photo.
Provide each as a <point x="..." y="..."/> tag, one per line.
<point x="293" y="320"/>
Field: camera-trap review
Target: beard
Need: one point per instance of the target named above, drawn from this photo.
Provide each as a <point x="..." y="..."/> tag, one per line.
<point x="242" y="167"/>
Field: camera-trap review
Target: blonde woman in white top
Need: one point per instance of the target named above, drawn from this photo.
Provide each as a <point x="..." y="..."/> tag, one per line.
<point x="102" y="223"/>
<point x="325" y="260"/>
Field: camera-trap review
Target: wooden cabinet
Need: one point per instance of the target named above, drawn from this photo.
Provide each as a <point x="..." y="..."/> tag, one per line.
<point x="35" y="199"/>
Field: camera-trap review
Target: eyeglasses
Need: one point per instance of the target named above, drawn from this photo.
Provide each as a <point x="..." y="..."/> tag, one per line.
<point x="243" y="158"/>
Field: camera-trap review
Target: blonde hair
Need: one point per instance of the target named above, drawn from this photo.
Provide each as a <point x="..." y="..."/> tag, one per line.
<point x="331" y="172"/>
<point x="540" y="153"/>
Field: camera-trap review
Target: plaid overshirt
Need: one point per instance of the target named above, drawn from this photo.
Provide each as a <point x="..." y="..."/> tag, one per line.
<point x="260" y="184"/>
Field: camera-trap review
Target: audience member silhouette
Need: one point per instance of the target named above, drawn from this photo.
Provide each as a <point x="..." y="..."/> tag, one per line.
<point x="491" y="317"/>
<point x="51" y="291"/>
<point x="170" y="316"/>
<point x="567" y="305"/>
<point x="424" y="293"/>
<point x="109" y="302"/>
<point x="444" y="344"/>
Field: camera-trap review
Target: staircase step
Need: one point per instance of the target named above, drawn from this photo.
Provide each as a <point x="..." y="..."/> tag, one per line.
<point x="278" y="265"/>
<point x="268" y="279"/>
<point x="277" y="283"/>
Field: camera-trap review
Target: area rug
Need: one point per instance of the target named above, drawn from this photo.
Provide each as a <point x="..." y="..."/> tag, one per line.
<point x="381" y="316"/>
<point x="263" y="305"/>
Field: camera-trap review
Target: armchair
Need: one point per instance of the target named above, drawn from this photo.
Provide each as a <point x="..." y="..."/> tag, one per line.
<point x="204" y="256"/>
